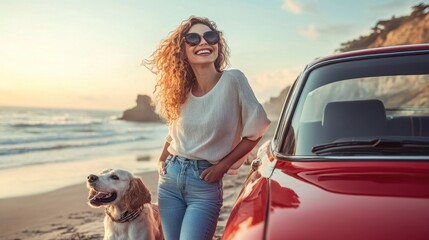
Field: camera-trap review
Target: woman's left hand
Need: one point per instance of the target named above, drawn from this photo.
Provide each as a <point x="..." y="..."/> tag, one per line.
<point x="213" y="173"/>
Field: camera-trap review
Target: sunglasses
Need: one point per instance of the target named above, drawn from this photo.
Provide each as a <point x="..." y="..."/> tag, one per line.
<point x="193" y="39"/>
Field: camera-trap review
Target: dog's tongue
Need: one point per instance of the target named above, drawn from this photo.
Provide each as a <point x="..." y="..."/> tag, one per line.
<point x="98" y="195"/>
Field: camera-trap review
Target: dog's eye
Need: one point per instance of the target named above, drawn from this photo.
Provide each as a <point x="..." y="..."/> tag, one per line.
<point x="114" y="177"/>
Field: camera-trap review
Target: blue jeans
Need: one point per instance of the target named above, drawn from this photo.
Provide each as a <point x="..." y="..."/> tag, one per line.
<point x="189" y="207"/>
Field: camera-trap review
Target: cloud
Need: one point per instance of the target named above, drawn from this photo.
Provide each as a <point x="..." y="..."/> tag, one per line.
<point x="270" y="84"/>
<point x="290" y="5"/>
<point x="310" y="32"/>
<point x="340" y="29"/>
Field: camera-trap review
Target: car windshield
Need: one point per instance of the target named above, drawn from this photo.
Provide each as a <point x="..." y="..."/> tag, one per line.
<point x="368" y="106"/>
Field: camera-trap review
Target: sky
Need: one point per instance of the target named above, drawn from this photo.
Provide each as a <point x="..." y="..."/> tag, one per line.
<point x="88" y="54"/>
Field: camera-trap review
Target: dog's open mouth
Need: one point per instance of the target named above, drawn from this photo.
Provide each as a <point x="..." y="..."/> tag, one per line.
<point x="99" y="198"/>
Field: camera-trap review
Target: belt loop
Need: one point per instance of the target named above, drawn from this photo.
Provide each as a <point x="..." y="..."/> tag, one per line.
<point x="173" y="157"/>
<point x="196" y="165"/>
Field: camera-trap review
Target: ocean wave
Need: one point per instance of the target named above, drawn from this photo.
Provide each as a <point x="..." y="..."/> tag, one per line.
<point x="25" y="149"/>
<point x="40" y="139"/>
<point x="47" y="136"/>
<point x="56" y="125"/>
<point x="74" y="135"/>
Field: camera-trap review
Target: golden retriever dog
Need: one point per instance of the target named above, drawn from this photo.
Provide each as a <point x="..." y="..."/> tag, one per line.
<point x="127" y="202"/>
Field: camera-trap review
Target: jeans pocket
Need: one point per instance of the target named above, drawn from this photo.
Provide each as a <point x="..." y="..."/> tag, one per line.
<point x="168" y="162"/>
<point x="201" y="166"/>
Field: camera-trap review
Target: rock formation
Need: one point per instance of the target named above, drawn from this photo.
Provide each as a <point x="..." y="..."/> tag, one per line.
<point x="274" y="105"/>
<point x="412" y="29"/>
<point x="143" y="112"/>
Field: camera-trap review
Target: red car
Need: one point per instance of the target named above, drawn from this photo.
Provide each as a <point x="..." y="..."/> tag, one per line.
<point x="350" y="156"/>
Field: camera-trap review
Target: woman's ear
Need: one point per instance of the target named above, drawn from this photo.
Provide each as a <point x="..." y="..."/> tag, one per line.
<point x="137" y="195"/>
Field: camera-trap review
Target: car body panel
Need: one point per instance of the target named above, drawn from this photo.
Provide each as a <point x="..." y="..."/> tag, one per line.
<point x="349" y="200"/>
<point x="300" y="200"/>
<point x="248" y="217"/>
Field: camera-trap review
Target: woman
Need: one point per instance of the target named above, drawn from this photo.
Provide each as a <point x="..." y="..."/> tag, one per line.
<point x="214" y="121"/>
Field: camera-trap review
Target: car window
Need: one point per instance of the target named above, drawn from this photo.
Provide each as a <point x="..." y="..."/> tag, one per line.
<point x="283" y="116"/>
<point x="362" y="101"/>
<point x="399" y="94"/>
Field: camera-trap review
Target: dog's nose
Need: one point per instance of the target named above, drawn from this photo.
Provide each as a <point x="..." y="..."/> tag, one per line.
<point x="92" y="178"/>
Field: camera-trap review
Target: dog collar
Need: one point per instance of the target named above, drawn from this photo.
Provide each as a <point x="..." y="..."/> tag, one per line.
<point x="126" y="216"/>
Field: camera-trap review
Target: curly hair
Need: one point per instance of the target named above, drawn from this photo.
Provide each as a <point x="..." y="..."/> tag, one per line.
<point x="175" y="75"/>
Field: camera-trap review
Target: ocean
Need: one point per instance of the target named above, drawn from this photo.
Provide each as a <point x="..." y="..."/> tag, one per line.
<point x="37" y="143"/>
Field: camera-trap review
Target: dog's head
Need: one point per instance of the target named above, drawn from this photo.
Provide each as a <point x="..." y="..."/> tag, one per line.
<point x="117" y="187"/>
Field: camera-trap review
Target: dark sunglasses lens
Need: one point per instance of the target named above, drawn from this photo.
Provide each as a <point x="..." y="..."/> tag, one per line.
<point x="211" y="37"/>
<point x="192" y="39"/>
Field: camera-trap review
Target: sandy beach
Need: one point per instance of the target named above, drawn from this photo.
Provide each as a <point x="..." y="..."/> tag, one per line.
<point x="44" y="166"/>
<point x="64" y="213"/>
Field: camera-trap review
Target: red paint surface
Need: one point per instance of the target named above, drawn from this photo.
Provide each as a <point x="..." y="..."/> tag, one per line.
<point x="335" y="200"/>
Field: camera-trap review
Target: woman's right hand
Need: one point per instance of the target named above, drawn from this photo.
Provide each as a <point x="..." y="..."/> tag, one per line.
<point x="161" y="167"/>
<point x="163" y="158"/>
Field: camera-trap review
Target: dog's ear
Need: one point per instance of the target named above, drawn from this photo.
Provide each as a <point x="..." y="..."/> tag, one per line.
<point x="137" y="194"/>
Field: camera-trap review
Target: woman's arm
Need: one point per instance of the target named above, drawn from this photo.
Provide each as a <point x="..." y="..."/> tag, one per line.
<point x="162" y="158"/>
<point x="216" y="172"/>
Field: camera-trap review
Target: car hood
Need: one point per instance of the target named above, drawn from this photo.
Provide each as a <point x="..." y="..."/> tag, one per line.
<point x="349" y="200"/>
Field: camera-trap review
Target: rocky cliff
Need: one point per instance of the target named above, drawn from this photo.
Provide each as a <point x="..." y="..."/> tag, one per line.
<point x="411" y="29"/>
<point x="274" y="105"/>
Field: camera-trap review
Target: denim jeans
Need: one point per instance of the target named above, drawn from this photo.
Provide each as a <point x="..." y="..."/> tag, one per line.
<point x="189" y="207"/>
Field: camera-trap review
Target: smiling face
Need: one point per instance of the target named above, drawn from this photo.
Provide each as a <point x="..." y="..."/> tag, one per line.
<point x="203" y="53"/>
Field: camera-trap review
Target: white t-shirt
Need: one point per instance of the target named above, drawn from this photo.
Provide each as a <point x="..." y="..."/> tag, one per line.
<point x="211" y="126"/>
